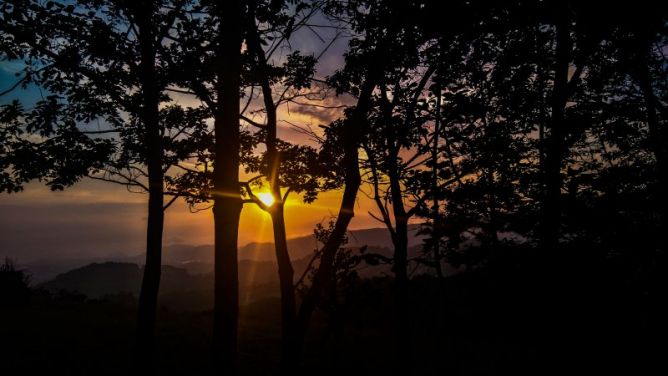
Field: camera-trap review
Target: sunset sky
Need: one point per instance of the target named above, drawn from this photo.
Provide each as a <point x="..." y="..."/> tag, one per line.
<point x="96" y="219"/>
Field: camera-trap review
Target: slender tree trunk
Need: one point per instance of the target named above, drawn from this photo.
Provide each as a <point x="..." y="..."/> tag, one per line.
<point x="402" y="289"/>
<point x="659" y="147"/>
<point x="492" y="225"/>
<point x="227" y="197"/>
<point x="656" y="134"/>
<point x="402" y="299"/>
<point x="289" y="360"/>
<point x="551" y="212"/>
<point x="326" y="266"/>
<point x="148" y="296"/>
<point x="288" y="301"/>
<point x="436" y="233"/>
<point x="553" y="291"/>
<point x="353" y="129"/>
<point x="285" y="271"/>
<point x="403" y="356"/>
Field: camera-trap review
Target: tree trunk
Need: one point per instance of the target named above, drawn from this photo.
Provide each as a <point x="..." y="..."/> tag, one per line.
<point x="285" y="271"/>
<point x="656" y="134"/>
<point x="227" y="197"/>
<point x="659" y="147"/>
<point x="148" y="296"/>
<point x="402" y="293"/>
<point x="551" y="212"/>
<point x="400" y="242"/>
<point x="553" y="290"/>
<point x="226" y="214"/>
<point x="286" y="279"/>
<point x="436" y="232"/>
<point x="353" y="129"/>
<point x="492" y="224"/>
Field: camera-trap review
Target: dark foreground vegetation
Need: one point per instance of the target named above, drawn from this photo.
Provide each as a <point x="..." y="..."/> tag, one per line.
<point x="526" y="138"/>
<point x="491" y="321"/>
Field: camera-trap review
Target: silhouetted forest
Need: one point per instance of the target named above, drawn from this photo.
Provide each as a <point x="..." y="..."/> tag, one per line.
<point x="513" y="152"/>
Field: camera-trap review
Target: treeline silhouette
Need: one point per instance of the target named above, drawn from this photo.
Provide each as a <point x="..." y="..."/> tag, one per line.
<point x="526" y="137"/>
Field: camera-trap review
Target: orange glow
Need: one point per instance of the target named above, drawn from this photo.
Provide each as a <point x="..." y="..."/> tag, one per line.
<point x="128" y="214"/>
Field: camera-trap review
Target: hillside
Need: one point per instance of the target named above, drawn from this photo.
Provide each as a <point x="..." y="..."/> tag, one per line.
<point x="300" y="247"/>
<point x="98" y="279"/>
<point x="191" y="287"/>
<point x="198" y="259"/>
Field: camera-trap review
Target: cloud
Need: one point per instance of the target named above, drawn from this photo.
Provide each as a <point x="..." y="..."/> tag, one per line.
<point x="322" y="111"/>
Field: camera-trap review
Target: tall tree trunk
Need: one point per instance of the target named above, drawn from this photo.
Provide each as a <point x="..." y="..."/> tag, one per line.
<point x="285" y="270"/>
<point x="551" y="212"/>
<point x="352" y="132"/>
<point x="148" y="296"/>
<point x="656" y="134"/>
<point x="286" y="279"/>
<point x="436" y="232"/>
<point x="402" y="301"/>
<point x="402" y="289"/>
<point x="659" y="146"/>
<point x="227" y="197"/>
<point x="553" y="290"/>
<point x="226" y="214"/>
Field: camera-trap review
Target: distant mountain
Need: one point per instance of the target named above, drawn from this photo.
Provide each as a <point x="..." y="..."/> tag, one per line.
<point x="299" y="247"/>
<point x="44" y="270"/>
<point x="257" y="279"/>
<point x="190" y="286"/>
<point x="98" y="279"/>
<point x="199" y="259"/>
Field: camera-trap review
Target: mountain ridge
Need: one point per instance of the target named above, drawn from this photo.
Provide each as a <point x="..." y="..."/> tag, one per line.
<point x="197" y="259"/>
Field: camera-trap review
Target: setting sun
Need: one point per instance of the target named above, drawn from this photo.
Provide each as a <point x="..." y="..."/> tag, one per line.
<point x="266" y="198"/>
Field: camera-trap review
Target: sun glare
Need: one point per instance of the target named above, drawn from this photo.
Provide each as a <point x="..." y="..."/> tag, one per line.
<point x="266" y="198"/>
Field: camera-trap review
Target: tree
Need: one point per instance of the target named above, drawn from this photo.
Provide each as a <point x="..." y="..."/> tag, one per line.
<point x="206" y="60"/>
<point x="298" y="169"/>
<point x="394" y="158"/>
<point x="359" y="77"/>
<point x="227" y="201"/>
<point x="102" y="61"/>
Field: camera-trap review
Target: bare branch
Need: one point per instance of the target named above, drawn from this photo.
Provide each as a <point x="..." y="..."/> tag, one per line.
<point x="253" y="199"/>
<point x="170" y="202"/>
<point x="252" y="122"/>
<point x="17" y="84"/>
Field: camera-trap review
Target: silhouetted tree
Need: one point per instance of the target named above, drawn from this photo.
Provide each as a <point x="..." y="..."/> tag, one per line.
<point x="104" y="63"/>
<point x="207" y="63"/>
<point x="227" y="201"/>
<point x="361" y="75"/>
<point x="14" y="284"/>
<point x="298" y="169"/>
<point x="394" y="158"/>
